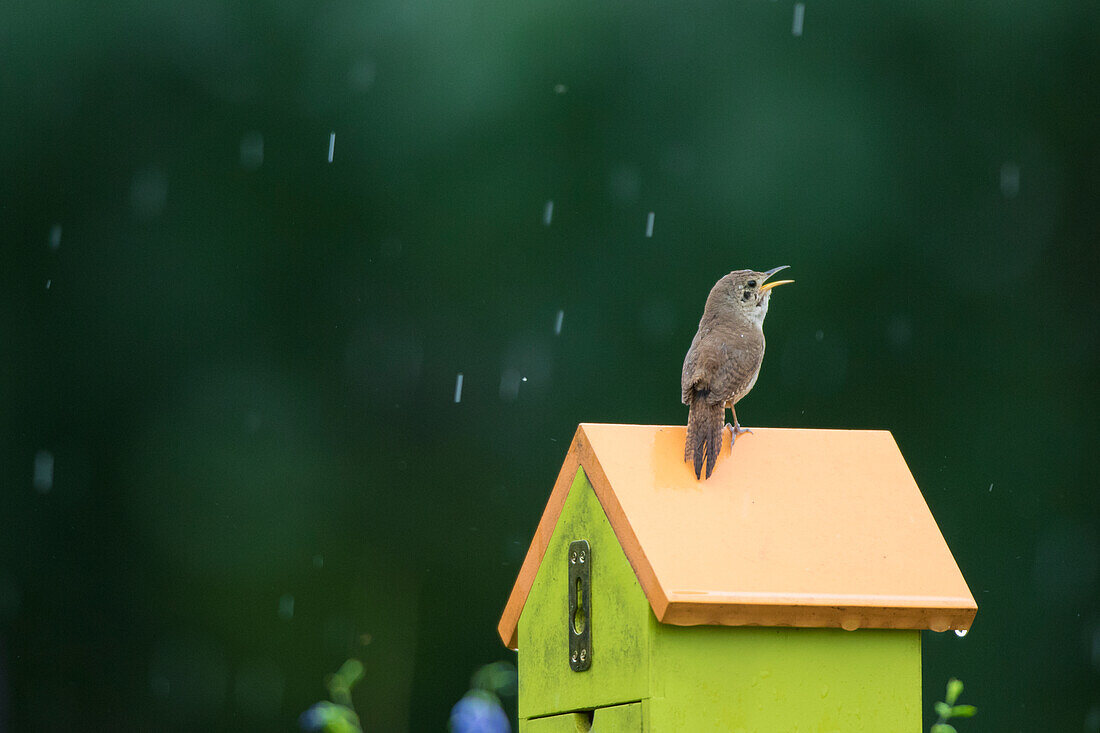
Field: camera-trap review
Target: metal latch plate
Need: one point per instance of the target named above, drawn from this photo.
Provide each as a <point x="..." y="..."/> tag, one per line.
<point x="580" y="606"/>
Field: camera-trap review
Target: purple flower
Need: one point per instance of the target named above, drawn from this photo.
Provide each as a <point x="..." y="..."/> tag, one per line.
<point x="479" y="712"/>
<point x="328" y="716"/>
<point x="316" y="717"/>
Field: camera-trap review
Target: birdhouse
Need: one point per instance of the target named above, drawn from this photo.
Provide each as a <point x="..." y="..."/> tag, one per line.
<point x="785" y="593"/>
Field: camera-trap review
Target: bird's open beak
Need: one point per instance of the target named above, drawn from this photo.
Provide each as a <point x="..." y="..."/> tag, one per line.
<point x="769" y="273"/>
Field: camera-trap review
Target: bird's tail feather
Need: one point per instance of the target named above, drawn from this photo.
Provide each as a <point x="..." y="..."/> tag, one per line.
<point x="704" y="433"/>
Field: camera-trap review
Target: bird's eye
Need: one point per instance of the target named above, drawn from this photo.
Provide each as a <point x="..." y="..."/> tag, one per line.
<point x="752" y="283"/>
<point x="746" y="295"/>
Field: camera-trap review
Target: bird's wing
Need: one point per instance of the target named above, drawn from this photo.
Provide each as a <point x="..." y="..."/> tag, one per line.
<point x="689" y="375"/>
<point x="742" y="355"/>
<point x="721" y="364"/>
<point x="700" y="367"/>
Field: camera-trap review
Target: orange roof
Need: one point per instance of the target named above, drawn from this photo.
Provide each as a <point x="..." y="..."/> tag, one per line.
<point x="795" y="528"/>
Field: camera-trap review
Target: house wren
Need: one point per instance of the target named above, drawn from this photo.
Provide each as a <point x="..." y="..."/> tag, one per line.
<point x="724" y="360"/>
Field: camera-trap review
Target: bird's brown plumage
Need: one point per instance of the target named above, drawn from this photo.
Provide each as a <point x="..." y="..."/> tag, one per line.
<point x="723" y="362"/>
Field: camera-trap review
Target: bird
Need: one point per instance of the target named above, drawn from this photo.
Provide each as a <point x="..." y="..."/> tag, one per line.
<point x="724" y="361"/>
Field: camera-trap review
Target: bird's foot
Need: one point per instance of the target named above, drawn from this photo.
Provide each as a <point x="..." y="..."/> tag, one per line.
<point x="736" y="430"/>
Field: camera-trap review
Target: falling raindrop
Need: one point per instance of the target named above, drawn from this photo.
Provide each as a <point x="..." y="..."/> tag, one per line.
<point x="318" y="561"/>
<point x="286" y="607"/>
<point x="657" y="319"/>
<point x="458" y="388"/>
<point x="899" y="332"/>
<point x="625" y="184"/>
<point x="55" y="236"/>
<point x="1010" y="180"/>
<point x="649" y="225"/>
<point x="557" y="323"/>
<point x="820" y="335"/>
<point x="48" y="284"/>
<point x="799" y="14"/>
<point x="252" y="151"/>
<point x="1096" y="648"/>
<point x="361" y="75"/>
<point x="43" y="471"/>
<point x="560" y="89"/>
<point x="509" y="384"/>
<point x="548" y="213"/>
<point x="148" y="193"/>
<point x="331" y="145"/>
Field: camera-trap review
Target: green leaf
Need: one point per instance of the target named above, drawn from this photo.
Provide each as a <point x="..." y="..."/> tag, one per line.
<point x="342" y="726"/>
<point x="351" y="672"/>
<point x="340" y="684"/>
<point x="498" y="678"/>
<point x="963" y="711"/>
<point x="331" y="718"/>
<point x="943" y="728"/>
<point x="338" y="692"/>
<point x="943" y="710"/>
<point x="954" y="689"/>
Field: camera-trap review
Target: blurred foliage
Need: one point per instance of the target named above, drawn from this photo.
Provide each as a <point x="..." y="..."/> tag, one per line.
<point x="947" y="709"/>
<point x="480" y="710"/>
<point x="337" y="716"/>
<point x="230" y="453"/>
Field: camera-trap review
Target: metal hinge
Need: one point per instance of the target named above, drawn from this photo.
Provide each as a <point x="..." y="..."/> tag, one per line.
<point x="580" y="606"/>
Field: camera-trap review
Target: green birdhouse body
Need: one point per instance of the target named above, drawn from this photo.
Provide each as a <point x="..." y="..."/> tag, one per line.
<point x="650" y="601"/>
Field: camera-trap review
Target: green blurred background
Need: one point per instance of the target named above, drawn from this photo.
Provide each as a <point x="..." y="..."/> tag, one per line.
<point x="230" y="453"/>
